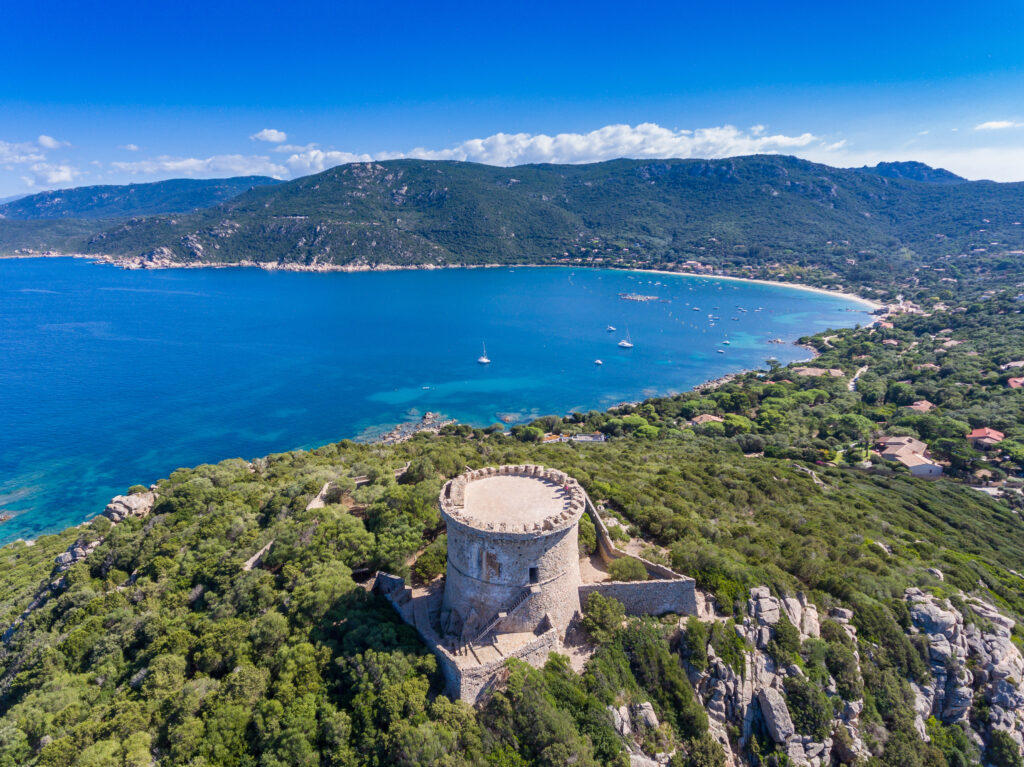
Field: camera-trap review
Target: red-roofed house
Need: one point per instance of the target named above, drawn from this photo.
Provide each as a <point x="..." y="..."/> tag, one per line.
<point x="1016" y="383"/>
<point x="985" y="437"/>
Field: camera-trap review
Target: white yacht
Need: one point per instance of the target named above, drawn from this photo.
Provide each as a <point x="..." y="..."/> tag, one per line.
<point x="610" y="328"/>
<point x="598" y="362"/>
<point x="483" y="359"/>
<point x="626" y="343"/>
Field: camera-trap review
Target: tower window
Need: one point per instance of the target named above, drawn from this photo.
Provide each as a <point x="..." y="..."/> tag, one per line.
<point x="534" y="575"/>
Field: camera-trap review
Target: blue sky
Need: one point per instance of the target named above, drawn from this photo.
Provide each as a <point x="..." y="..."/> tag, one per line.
<point x="118" y="92"/>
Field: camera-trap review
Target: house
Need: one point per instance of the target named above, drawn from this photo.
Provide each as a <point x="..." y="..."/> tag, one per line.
<point x="919" y="466"/>
<point x="805" y="371"/>
<point x="594" y="437"/>
<point x="551" y="439"/>
<point x="928" y="366"/>
<point x="1012" y="365"/>
<point x="891" y="342"/>
<point x="916" y="445"/>
<point x="985" y="437"/>
<point x="1015" y="383"/>
<point x="921" y="406"/>
<point x="912" y="453"/>
<point x="706" y="418"/>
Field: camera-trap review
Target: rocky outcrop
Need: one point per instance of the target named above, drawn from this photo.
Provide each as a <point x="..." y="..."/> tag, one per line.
<point x="776" y="714"/>
<point x="967" y="660"/>
<point x="120" y="508"/>
<point x="631" y="723"/>
<point x="754" y="700"/>
<point x="135" y="505"/>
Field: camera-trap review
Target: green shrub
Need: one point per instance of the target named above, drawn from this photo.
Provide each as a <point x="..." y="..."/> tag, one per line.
<point x="602" y="617"/>
<point x="728" y="645"/>
<point x="587" y="536"/>
<point x="842" y="665"/>
<point x="1003" y="751"/>
<point x="433" y="561"/>
<point x="694" y="643"/>
<point x="809" y="708"/>
<point x="785" y="643"/>
<point x="627" y="569"/>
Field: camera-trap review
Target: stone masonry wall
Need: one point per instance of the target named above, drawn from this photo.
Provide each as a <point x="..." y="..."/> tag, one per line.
<point x="667" y="592"/>
<point x="648" y="597"/>
<point x="463" y="680"/>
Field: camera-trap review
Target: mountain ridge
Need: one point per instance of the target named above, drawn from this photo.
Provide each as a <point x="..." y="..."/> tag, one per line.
<point x="124" y="200"/>
<point x="744" y="210"/>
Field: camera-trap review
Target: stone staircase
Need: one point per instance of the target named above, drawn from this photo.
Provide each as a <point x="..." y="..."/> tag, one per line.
<point x="507" y="612"/>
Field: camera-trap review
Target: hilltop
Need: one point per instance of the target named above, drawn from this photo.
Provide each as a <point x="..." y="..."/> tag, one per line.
<point x="121" y="201"/>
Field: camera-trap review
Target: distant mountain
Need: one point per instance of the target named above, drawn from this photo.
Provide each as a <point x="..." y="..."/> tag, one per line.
<point x="746" y="211"/>
<point x="96" y="202"/>
<point x="915" y="171"/>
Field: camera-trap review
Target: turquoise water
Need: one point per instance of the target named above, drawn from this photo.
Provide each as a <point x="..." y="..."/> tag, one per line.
<point x="110" y="378"/>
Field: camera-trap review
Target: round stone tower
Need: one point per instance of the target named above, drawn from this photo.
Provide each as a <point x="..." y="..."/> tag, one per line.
<point x="513" y="556"/>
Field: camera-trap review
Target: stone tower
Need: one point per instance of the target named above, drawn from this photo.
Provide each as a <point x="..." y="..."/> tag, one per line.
<point x="513" y="556"/>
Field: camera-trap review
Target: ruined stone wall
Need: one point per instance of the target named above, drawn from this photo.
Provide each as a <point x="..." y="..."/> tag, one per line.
<point x="473" y="681"/>
<point x="648" y="597"/>
<point x="463" y="679"/>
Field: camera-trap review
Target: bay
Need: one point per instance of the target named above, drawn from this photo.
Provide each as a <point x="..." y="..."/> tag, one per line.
<point x="110" y="377"/>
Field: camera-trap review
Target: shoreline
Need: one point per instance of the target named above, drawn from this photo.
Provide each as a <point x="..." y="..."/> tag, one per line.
<point x="141" y="263"/>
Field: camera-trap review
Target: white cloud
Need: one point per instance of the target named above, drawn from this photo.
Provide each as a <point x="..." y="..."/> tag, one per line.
<point x="193" y="167"/>
<point x="296" y="147"/>
<point x="19" y="153"/>
<point x="271" y="135"/>
<point x="49" y="142"/>
<point x="129" y="147"/>
<point x="315" y="160"/>
<point x="997" y="125"/>
<point x="52" y="175"/>
<point x="646" y="140"/>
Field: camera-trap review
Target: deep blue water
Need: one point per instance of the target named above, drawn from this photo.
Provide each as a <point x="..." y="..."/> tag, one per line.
<point x="110" y="378"/>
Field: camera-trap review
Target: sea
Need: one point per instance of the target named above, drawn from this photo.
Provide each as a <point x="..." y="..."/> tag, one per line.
<point x="112" y="377"/>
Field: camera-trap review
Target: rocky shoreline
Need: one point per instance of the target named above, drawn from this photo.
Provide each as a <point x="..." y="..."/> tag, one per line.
<point x="430" y="422"/>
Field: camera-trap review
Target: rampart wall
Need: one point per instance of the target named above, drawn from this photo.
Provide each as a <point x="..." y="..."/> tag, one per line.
<point x="666" y="592"/>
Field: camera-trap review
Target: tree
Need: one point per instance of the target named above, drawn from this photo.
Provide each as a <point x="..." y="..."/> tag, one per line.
<point x="587" y="536"/>
<point x="602" y="617"/>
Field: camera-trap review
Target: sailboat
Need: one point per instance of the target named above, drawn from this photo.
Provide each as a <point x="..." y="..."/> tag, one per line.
<point x="625" y="343"/>
<point x="483" y="359"/>
<point x="610" y="328"/>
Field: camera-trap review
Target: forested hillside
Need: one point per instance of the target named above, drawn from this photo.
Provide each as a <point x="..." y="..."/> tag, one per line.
<point x="777" y="215"/>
